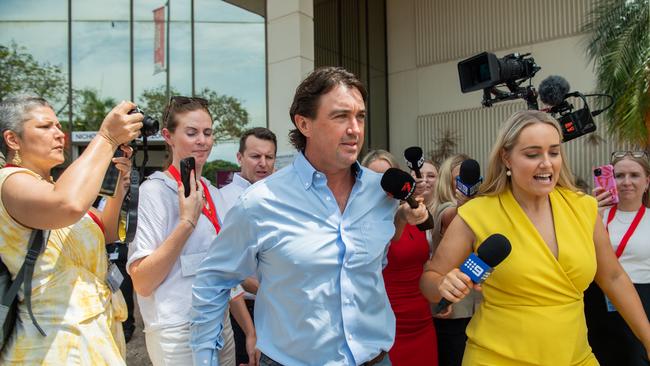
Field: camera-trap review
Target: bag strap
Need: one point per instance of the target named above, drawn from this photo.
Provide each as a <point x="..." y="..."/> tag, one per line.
<point x="37" y="243"/>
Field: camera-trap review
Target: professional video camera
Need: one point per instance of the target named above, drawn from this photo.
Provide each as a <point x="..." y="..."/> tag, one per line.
<point x="486" y="71"/>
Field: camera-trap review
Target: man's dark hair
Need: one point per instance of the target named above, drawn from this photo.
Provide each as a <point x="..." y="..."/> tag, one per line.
<point x="261" y="133"/>
<point x="306" y="100"/>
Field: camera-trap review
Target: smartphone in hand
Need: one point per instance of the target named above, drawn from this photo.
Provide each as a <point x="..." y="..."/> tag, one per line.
<point x="604" y="178"/>
<point x="112" y="177"/>
<point x="187" y="165"/>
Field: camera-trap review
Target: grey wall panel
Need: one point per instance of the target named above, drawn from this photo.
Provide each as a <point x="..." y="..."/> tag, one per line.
<point x="451" y="29"/>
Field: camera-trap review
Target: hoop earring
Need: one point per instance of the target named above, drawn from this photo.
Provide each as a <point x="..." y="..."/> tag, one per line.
<point x="16" y="160"/>
<point x="508" y="172"/>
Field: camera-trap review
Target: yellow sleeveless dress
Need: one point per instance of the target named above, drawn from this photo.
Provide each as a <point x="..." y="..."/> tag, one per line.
<point x="533" y="311"/>
<point x="70" y="298"/>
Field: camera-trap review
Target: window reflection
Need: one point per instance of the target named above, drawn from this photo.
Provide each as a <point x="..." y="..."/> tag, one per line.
<point x="229" y="54"/>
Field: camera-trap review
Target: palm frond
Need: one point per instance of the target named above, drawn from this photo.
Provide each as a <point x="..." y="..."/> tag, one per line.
<point x="619" y="44"/>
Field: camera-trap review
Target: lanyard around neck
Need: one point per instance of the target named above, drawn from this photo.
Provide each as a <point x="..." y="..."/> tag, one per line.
<point x="208" y="210"/>
<point x="630" y="230"/>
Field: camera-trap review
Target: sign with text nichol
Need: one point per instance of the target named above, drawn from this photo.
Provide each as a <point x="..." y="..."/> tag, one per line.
<point x="476" y="269"/>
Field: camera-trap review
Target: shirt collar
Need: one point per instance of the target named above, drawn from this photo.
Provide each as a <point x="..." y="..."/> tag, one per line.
<point x="240" y="181"/>
<point x="306" y="172"/>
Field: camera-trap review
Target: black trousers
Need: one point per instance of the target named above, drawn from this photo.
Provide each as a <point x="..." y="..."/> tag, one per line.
<point x="451" y="340"/>
<point x="240" y="337"/>
<point x="610" y="338"/>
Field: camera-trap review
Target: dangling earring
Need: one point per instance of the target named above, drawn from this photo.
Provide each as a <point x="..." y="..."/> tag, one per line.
<point x="16" y="159"/>
<point x="508" y="172"/>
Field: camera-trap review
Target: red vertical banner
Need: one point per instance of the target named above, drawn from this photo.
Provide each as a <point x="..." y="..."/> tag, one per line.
<point x="159" y="40"/>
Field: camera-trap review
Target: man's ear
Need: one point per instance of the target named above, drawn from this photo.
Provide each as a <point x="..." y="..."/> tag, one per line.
<point x="304" y="125"/>
<point x="12" y="140"/>
<point x="239" y="157"/>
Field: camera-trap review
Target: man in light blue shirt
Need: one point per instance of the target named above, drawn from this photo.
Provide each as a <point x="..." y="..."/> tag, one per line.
<point x="316" y="234"/>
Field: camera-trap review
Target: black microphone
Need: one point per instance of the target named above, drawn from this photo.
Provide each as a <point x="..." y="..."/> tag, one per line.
<point x="414" y="159"/>
<point x="480" y="265"/>
<point x="553" y="90"/>
<point x="400" y="185"/>
<point x="469" y="179"/>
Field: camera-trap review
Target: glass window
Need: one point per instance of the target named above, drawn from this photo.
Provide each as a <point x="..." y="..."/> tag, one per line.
<point x="231" y="55"/>
<point x="180" y="57"/>
<point x="100" y="59"/>
<point x="34" y="10"/>
<point x="44" y="41"/>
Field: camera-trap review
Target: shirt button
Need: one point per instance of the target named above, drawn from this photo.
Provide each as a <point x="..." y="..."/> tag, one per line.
<point x="328" y="198"/>
<point x="317" y="175"/>
<point x="350" y="336"/>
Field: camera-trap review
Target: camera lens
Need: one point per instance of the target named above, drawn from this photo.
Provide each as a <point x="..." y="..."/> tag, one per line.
<point x="150" y="125"/>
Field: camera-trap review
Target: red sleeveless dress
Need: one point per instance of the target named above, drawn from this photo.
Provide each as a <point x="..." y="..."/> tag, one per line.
<point x="415" y="339"/>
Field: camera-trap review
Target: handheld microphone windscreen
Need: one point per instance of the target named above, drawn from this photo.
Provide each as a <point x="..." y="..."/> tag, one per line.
<point x="398" y="183"/>
<point x="494" y="249"/>
<point x="414" y="157"/>
<point x="470" y="172"/>
<point x="553" y="90"/>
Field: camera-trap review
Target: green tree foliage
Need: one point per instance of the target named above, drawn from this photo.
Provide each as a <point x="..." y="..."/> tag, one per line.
<point x="619" y="43"/>
<point x="90" y="109"/>
<point x="21" y="73"/>
<point x="230" y="117"/>
<point x="211" y="168"/>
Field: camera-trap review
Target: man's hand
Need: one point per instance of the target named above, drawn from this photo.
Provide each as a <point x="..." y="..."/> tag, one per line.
<point x="413" y="216"/>
<point x="254" y="354"/>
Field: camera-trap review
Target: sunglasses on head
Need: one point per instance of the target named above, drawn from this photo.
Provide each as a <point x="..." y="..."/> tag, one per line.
<point x="635" y="154"/>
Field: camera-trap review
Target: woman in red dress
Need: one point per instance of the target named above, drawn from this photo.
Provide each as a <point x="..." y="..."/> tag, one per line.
<point x="415" y="338"/>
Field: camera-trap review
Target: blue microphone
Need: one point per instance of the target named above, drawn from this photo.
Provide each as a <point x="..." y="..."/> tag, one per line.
<point x="469" y="178"/>
<point x="479" y="266"/>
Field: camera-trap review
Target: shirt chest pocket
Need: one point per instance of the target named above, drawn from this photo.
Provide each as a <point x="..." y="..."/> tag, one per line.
<point x="375" y="236"/>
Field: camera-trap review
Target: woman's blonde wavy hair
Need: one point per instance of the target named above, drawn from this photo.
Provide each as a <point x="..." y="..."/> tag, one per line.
<point x="444" y="189"/>
<point x="496" y="180"/>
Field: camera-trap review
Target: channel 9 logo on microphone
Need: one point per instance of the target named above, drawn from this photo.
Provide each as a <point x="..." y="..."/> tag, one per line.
<point x="476" y="269"/>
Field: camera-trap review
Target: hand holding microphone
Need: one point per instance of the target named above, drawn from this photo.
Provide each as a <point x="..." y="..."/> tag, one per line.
<point x="400" y="185"/>
<point x="474" y="270"/>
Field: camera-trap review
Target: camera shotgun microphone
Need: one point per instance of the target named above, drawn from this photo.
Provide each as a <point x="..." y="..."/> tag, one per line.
<point x="400" y="185"/>
<point x="479" y="266"/>
<point x="469" y="179"/>
<point x="414" y="159"/>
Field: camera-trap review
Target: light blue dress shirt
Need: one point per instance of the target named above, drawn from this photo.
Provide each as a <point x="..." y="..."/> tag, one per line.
<point x="321" y="299"/>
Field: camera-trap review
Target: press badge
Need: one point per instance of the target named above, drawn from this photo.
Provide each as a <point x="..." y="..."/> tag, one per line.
<point x="610" y="306"/>
<point x="114" y="277"/>
<point x="114" y="255"/>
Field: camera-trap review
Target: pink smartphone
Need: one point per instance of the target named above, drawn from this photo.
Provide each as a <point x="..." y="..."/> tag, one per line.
<point x="604" y="178"/>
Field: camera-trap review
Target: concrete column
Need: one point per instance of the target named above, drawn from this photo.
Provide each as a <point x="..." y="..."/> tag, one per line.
<point x="290" y="57"/>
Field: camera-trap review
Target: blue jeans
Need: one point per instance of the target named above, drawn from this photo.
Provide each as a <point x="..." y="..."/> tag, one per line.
<point x="266" y="361"/>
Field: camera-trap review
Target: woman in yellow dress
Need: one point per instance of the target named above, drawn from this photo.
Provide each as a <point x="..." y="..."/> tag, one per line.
<point x="532" y="312"/>
<point x="70" y="298"/>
